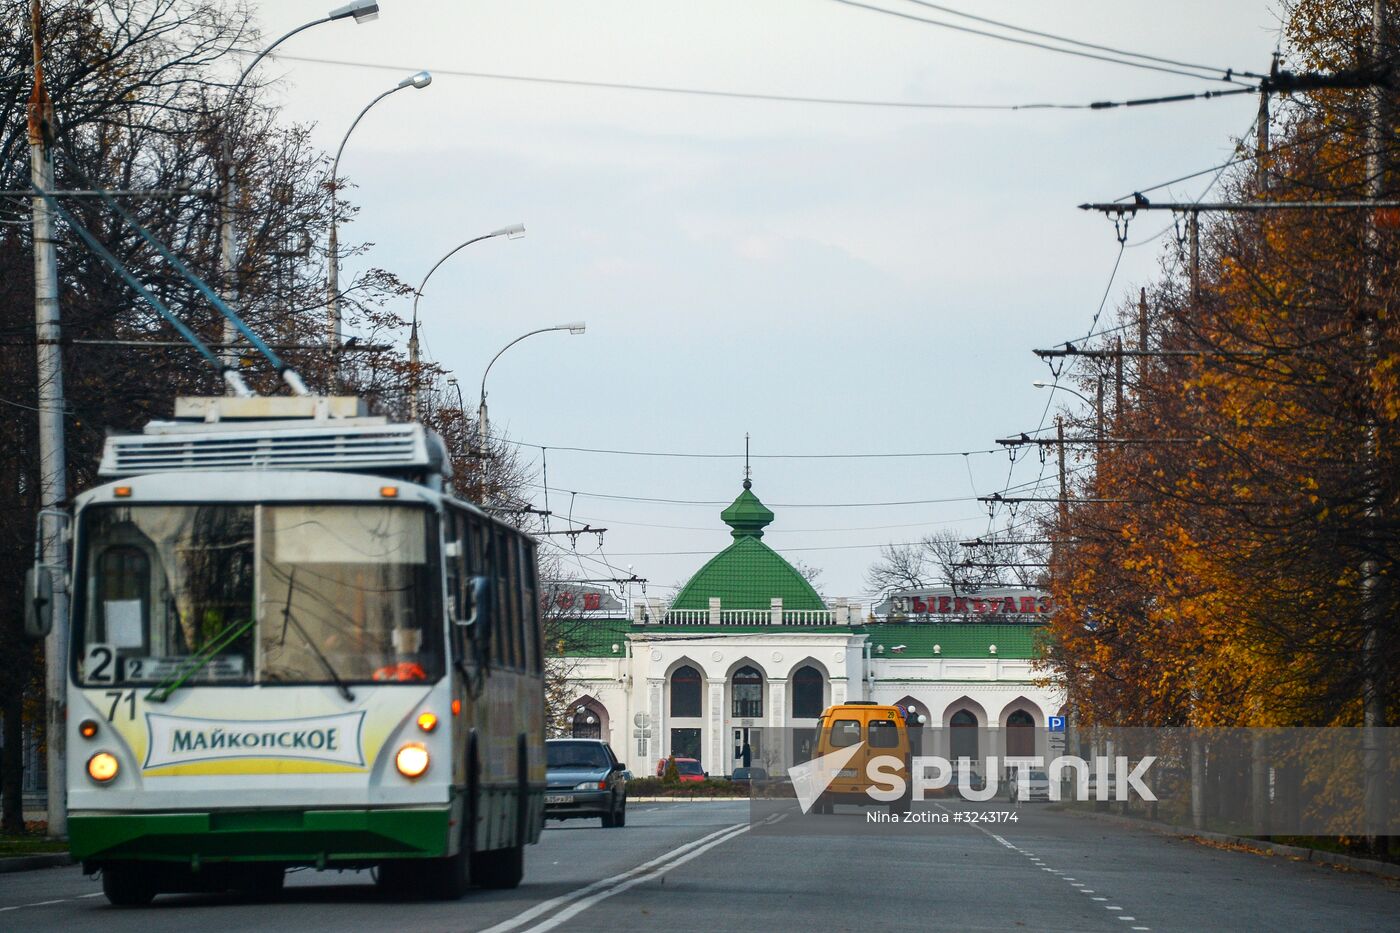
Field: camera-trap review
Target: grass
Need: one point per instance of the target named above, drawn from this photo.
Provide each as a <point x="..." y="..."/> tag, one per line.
<point x="30" y="842"/>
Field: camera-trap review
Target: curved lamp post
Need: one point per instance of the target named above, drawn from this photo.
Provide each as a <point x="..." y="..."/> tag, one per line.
<point x="513" y="232"/>
<point x="1097" y="406"/>
<point x="420" y="80"/>
<point x="573" y="327"/>
<point x="362" y="11"/>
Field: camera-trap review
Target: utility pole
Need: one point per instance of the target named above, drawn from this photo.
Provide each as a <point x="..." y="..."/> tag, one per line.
<point x="1261" y="132"/>
<point x="1064" y="490"/>
<point x="1193" y="232"/>
<point x="1117" y="382"/>
<point x="1373" y="600"/>
<point x="1142" y="320"/>
<point x="52" y="466"/>
<point x="228" y="243"/>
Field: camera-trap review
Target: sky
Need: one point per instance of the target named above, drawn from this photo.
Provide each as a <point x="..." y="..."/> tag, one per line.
<point x="829" y="279"/>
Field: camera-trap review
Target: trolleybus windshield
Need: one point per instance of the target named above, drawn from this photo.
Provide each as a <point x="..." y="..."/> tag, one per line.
<point x="272" y="594"/>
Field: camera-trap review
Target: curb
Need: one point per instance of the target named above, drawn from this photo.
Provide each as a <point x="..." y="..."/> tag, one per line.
<point x="1370" y="866"/>
<point x="31" y="862"/>
<point x="685" y="799"/>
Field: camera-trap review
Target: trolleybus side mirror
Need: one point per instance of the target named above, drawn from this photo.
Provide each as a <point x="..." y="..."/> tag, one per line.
<point x="38" y="602"/>
<point x="480" y="609"/>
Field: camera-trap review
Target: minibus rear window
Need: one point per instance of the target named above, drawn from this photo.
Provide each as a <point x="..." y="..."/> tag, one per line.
<point x="844" y="733"/>
<point x="884" y="733"/>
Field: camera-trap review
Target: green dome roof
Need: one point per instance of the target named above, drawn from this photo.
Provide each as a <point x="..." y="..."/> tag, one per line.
<point x="748" y="574"/>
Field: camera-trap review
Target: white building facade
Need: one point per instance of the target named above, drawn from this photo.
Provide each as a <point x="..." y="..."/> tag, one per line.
<point x="738" y="668"/>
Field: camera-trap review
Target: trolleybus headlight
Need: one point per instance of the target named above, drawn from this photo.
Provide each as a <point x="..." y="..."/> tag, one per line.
<point x="87" y="728"/>
<point x="412" y="760"/>
<point x="102" y="767"/>
<point x="427" y="721"/>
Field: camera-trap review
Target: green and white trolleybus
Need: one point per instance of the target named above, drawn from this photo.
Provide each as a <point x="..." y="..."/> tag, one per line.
<point x="292" y="646"/>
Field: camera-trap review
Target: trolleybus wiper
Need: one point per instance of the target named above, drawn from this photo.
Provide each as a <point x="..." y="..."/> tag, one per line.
<point x="330" y="668"/>
<point x="199" y="660"/>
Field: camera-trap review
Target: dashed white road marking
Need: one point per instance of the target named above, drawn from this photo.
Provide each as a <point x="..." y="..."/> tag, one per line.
<point x="1040" y="863"/>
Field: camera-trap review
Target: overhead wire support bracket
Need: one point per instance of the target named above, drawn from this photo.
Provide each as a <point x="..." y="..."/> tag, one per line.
<point x="1072" y="350"/>
<point x="1024" y="441"/>
<point x="1130" y="208"/>
<point x="979" y="542"/>
<point x="996" y="498"/>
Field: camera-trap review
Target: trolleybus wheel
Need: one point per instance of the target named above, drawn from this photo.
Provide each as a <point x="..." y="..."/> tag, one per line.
<point x="499" y="868"/>
<point x="128" y="885"/>
<point x="448" y="878"/>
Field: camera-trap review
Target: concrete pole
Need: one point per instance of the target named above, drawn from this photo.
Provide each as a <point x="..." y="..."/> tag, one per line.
<point x="228" y="251"/>
<point x="52" y="463"/>
<point x="333" y="293"/>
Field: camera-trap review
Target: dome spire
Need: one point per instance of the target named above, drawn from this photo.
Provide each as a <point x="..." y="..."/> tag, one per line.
<point x="748" y="482"/>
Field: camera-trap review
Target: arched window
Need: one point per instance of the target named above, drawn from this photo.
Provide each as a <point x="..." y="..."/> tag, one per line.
<point x="1020" y="735"/>
<point x="748" y="693"/>
<point x="586" y="724"/>
<point x="963" y="735"/>
<point x="807" y="687"/>
<point x="685" y="693"/>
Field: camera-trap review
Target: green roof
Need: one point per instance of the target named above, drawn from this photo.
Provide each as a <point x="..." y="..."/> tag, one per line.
<point x="595" y="637"/>
<point x="748" y="574"/>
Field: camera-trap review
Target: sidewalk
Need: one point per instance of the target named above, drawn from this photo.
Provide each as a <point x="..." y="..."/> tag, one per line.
<point x="1301" y="853"/>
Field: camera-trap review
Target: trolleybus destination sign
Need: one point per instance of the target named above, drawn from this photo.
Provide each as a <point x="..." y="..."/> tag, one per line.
<point x="178" y="739"/>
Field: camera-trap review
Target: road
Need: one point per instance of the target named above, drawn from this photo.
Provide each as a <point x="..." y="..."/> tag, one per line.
<point x="700" y="866"/>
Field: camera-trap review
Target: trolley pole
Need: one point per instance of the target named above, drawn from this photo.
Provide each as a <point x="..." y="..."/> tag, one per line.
<point x="52" y="468"/>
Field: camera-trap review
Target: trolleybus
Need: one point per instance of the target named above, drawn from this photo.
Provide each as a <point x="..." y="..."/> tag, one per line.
<point x="293" y="646"/>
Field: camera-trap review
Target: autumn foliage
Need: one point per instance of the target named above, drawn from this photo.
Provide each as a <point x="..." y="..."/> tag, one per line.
<point x="1237" y="565"/>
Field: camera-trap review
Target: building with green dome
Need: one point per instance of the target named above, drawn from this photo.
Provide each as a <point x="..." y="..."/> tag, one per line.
<point x="738" y="666"/>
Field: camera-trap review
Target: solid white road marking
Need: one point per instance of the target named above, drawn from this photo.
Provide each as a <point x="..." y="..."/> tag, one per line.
<point x="587" y="902"/>
<point x="545" y="907"/>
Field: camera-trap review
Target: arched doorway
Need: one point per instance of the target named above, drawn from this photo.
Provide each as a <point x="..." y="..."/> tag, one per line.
<point x="808" y="701"/>
<point x="586" y="724"/>
<point x="963" y="735"/>
<point x="686" y="709"/>
<point x="1020" y="735"/>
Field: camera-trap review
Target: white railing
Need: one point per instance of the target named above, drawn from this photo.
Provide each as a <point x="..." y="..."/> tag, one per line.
<point x="751" y="617"/>
<point x="653" y="612"/>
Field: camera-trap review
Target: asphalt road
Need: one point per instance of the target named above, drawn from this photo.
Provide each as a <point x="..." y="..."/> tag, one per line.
<point x="700" y="866"/>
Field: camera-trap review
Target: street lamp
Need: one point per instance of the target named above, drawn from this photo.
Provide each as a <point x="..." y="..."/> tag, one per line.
<point x="362" y="11"/>
<point x="1097" y="406"/>
<point x="512" y="232"/>
<point x="573" y="327"/>
<point x="420" y="80"/>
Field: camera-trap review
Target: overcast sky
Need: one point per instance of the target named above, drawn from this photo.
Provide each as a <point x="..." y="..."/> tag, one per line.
<point x="831" y="279"/>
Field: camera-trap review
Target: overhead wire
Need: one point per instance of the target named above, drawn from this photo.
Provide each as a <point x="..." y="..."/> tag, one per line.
<point x="739" y="456"/>
<point x="1226" y="75"/>
<point x="1071" y="41"/>
<point x="776" y="98"/>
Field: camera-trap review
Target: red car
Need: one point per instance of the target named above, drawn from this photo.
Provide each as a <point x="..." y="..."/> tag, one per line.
<point x="688" y="768"/>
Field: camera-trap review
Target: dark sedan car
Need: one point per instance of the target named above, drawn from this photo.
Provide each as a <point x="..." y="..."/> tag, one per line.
<point x="585" y="779"/>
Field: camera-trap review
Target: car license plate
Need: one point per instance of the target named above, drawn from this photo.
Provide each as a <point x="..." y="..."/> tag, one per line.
<point x="558" y="798"/>
<point x="847" y="773"/>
